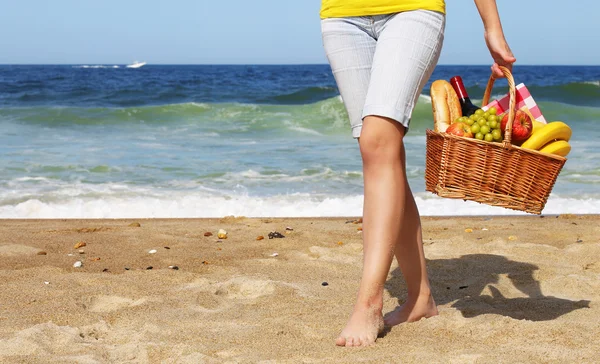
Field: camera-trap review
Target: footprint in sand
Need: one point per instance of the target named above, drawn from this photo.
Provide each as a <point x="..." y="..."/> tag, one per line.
<point x="344" y="254"/>
<point x="217" y="296"/>
<point x="15" y="250"/>
<point x="39" y="339"/>
<point x="110" y="303"/>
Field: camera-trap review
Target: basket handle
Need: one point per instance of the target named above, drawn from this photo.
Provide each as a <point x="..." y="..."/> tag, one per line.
<point x="511" y="106"/>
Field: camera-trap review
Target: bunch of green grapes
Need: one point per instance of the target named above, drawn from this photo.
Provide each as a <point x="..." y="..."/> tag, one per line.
<point x="485" y="125"/>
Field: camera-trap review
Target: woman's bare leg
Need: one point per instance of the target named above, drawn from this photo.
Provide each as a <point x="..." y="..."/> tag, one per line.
<point x="411" y="259"/>
<point x="385" y="214"/>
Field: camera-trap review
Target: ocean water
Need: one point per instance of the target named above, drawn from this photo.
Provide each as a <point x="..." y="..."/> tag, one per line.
<point x="105" y="141"/>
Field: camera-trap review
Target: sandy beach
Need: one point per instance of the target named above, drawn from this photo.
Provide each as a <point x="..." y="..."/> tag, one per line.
<point x="509" y="289"/>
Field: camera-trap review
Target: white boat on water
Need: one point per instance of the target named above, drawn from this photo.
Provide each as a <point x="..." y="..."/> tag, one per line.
<point x="136" y="64"/>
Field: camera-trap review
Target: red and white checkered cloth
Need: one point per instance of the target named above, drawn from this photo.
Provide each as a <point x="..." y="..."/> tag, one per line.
<point x="524" y="98"/>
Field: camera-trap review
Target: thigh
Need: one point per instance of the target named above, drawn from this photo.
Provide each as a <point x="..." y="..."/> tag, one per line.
<point x="407" y="52"/>
<point x="350" y="48"/>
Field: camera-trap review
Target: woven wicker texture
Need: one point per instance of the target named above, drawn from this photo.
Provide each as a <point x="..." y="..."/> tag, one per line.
<point x="497" y="174"/>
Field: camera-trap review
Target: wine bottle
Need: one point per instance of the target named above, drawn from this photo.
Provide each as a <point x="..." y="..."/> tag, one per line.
<point x="467" y="107"/>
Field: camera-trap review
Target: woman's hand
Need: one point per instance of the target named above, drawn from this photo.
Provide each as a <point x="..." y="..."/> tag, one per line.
<point x="500" y="52"/>
<point x="494" y="37"/>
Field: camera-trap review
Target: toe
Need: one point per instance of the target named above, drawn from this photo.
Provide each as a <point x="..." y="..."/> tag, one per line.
<point x="349" y="341"/>
<point x="340" y="341"/>
<point x="364" y="341"/>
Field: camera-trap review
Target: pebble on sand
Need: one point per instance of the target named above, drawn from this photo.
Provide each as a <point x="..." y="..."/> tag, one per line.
<point x="468" y="230"/>
<point x="260" y="237"/>
<point x="275" y="234"/>
<point x="77" y="264"/>
<point x="275" y="254"/>
<point x="512" y="237"/>
<point x="208" y="233"/>
<point x="41" y="253"/>
<point x="174" y="267"/>
<point x="153" y="251"/>
<point x="222" y="234"/>
<point x="135" y="224"/>
<point x="79" y="244"/>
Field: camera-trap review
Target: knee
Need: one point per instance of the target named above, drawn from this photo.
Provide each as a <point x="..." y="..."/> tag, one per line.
<point x="381" y="144"/>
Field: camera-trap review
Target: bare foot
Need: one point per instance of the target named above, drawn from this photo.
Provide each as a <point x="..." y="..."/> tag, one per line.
<point x="412" y="310"/>
<point x="362" y="329"/>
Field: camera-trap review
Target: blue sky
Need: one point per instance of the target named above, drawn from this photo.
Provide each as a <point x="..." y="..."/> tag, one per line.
<point x="267" y="32"/>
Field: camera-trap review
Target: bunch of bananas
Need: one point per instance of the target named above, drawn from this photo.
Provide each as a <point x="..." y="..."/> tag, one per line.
<point x="552" y="138"/>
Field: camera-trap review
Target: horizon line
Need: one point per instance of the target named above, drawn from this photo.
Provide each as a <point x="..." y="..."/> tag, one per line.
<point x="271" y="64"/>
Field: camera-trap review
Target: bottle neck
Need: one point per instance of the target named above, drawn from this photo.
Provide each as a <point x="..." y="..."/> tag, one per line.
<point x="459" y="87"/>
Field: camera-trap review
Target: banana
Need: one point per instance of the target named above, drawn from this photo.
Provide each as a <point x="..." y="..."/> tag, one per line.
<point x="559" y="147"/>
<point x="537" y="125"/>
<point x="546" y="134"/>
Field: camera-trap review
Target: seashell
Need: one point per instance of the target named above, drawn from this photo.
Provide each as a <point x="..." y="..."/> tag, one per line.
<point x="275" y="254"/>
<point x="222" y="234"/>
<point x="80" y="244"/>
<point x="153" y="251"/>
<point x="77" y="264"/>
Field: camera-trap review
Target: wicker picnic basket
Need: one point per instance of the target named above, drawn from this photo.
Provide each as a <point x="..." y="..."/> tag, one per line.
<point x="497" y="174"/>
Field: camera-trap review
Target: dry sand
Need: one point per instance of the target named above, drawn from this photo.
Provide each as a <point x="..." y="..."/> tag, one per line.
<point x="515" y="289"/>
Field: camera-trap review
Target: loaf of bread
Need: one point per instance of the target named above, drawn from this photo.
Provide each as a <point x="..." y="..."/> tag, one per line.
<point x="445" y="105"/>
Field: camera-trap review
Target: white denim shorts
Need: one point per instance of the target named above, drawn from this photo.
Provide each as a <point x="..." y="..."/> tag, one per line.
<point x="381" y="63"/>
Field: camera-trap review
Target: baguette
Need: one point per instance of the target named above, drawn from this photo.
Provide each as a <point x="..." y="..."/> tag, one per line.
<point x="445" y="105"/>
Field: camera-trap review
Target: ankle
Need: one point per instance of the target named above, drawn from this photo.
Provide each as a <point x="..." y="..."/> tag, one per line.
<point x="374" y="304"/>
<point x="422" y="293"/>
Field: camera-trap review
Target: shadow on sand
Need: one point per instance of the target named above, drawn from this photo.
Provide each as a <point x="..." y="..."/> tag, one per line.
<point x="461" y="281"/>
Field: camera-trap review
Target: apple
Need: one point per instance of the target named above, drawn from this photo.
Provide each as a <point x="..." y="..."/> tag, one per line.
<point x="522" y="126"/>
<point x="460" y="129"/>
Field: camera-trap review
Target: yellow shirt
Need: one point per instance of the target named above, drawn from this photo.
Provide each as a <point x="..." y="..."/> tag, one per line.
<point x="344" y="8"/>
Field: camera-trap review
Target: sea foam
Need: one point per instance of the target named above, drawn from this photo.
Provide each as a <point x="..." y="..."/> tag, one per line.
<point x="181" y="205"/>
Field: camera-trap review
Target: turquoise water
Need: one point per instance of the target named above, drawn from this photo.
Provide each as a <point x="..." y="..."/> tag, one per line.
<point x="209" y="141"/>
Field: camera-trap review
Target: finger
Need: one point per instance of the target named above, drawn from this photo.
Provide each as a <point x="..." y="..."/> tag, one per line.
<point x="496" y="71"/>
<point x="509" y="58"/>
